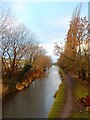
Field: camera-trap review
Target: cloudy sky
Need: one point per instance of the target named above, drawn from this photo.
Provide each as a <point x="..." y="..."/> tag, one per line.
<point x="48" y="20"/>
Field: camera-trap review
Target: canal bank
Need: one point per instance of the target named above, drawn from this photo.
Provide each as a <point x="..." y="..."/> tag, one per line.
<point x="66" y="103"/>
<point x="60" y="97"/>
<point x="20" y="82"/>
<point x="34" y="101"/>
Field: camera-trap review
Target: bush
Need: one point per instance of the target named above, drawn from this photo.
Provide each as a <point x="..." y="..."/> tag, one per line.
<point x="24" y="70"/>
<point x="83" y="74"/>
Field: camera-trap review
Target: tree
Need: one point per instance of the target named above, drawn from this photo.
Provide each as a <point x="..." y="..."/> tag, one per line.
<point x="75" y="51"/>
<point x="43" y="62"/>
<point x="14" y="49"/>
<point x="14" y="37"/>
<point x="34" y="51"/>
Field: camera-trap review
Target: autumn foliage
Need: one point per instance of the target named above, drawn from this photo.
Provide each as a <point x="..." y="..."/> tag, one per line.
<point x="75" y="56"/>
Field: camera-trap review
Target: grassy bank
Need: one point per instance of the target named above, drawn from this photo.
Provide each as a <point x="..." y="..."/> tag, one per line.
<point x="11" y="85"/>
<point x="59" y="100"/>
<point x="80" y="89"/>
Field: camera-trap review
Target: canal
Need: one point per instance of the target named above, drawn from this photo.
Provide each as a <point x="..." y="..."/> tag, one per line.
<point x="36" y="100"/>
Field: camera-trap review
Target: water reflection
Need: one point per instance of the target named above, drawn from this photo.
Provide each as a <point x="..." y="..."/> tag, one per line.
<point x="36" y="100"/>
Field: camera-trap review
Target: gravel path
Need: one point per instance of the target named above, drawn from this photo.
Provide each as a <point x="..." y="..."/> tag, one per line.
<point x="69" y="99"/>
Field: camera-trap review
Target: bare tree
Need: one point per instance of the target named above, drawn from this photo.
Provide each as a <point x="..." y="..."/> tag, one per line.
<point x="34" y="51"/>
<point x="13" y="48"/>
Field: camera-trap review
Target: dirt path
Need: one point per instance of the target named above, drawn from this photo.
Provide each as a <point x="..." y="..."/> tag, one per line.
<point x="69" y="99"/>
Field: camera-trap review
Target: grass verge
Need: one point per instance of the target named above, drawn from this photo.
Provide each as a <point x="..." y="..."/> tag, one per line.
<point x="80" y="89"/>
<point x="59" y="101"/>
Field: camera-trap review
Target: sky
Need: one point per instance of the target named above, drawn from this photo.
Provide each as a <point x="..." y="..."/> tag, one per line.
<point x="48" y="20"/>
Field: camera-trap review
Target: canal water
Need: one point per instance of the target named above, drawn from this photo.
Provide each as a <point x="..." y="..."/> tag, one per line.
<point x="36" y="100"/>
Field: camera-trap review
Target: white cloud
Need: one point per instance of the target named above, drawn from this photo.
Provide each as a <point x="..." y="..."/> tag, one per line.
<point x="58" y="37"/>
<point x="51" y="36"/>
<point x="20" y="10"/>
<point x="18" y="7"/>
<point x="49" y="47"/>
<point x="59" y="29"/>
<point x="60" y="21"/>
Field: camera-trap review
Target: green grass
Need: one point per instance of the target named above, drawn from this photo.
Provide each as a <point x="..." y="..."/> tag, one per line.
<point x="81" y="115"/>
<point x="61" y="73"/>
<point x="80" y="90"/>
<point x="59" y="102"/>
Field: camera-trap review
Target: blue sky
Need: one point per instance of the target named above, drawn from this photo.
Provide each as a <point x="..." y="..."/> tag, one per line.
<point x="48" y="20"/>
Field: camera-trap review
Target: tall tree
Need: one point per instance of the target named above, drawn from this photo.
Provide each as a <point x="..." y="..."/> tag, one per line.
<point x="75" y="52"/>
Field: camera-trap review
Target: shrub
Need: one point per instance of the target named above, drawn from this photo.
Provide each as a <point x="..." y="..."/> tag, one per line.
<point x="22" y="73"/>
<point x="83" y="74"/>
